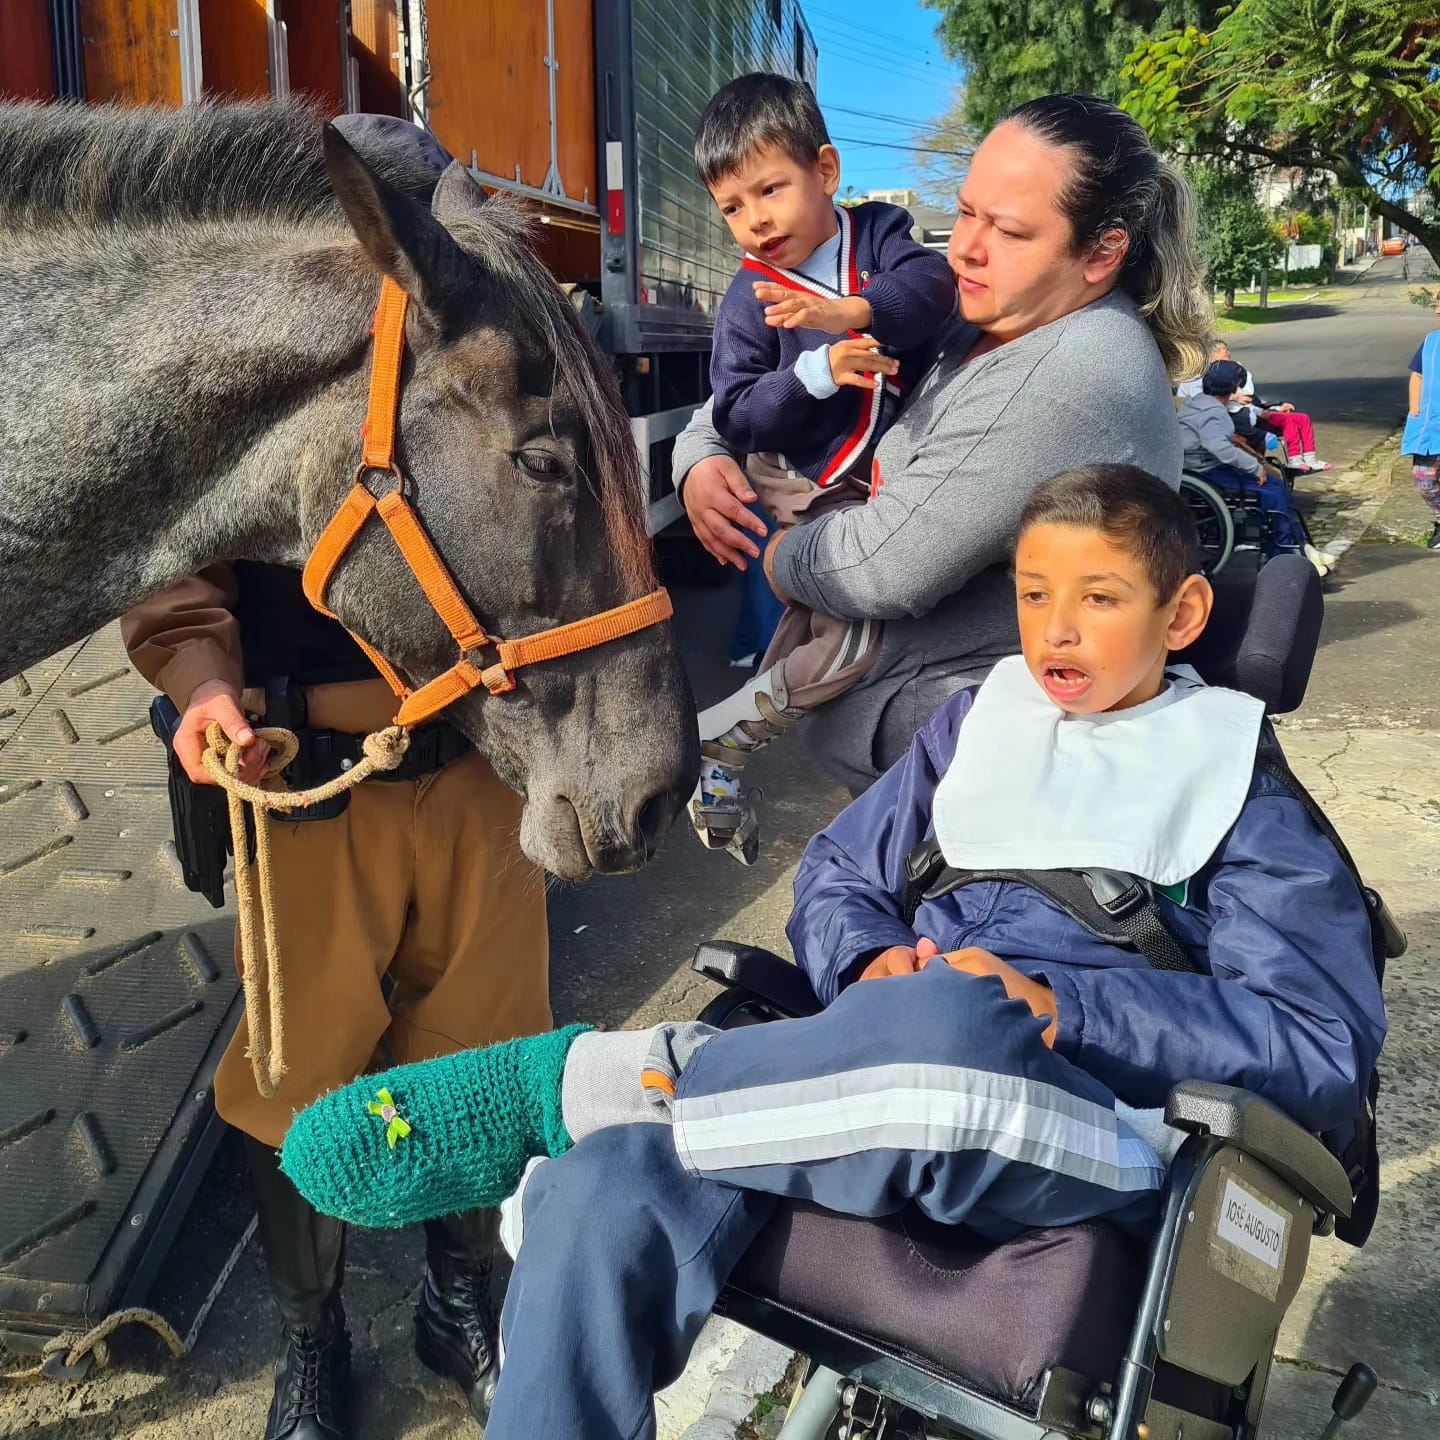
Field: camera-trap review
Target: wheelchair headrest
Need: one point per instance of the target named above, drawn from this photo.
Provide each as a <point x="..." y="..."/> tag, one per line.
<point x="1263" y="633"/>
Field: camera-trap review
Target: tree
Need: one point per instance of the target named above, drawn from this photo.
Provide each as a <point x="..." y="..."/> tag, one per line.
<point x="1013" y="52"/>
<point x="1237" y="237"/>
<point x="943" y="148"/>
<point x="1345" y="87"/>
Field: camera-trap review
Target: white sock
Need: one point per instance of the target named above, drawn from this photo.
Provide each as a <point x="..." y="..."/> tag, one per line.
<point x="602" y="1083"/>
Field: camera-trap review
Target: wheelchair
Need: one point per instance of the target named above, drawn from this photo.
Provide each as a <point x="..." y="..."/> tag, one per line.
<point x="1230" y="523"/>
<point x="915" y="1331"/>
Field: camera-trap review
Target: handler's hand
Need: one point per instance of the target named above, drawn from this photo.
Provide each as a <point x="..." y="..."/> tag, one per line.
<point x="212" y="701"/>
<point x="716" y="493"/>
<point x="897" y="960"/>
<point x="1040" y="998"/>
<point x="787" y="310"/>
<point x="857" y="362"/>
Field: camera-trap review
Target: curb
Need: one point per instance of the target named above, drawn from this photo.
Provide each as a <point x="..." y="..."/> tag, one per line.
<point x="1361" y="518"/>
<point x="757" y="1367"/>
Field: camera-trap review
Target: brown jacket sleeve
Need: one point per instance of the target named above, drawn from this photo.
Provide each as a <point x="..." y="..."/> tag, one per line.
<point x="187" y="635"/>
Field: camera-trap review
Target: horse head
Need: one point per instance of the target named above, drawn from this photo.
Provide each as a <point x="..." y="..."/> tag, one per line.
<point x="516" y="453"/>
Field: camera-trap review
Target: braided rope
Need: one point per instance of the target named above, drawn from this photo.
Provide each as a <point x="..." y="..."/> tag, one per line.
<point x="260" y="975"/>
<point x="75" y="1345"/>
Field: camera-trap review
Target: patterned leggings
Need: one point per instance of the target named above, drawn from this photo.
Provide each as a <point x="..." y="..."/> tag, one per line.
<point x="1427" y="481"/>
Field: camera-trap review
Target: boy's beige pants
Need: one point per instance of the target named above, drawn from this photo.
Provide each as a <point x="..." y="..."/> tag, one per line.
<point x="420" y="880"/>
<point x="822" y="657"/>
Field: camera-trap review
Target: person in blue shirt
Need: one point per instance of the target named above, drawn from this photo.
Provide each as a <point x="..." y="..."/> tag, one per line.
<point x="1421" y="440"/>
<point x="987" y="1060"/>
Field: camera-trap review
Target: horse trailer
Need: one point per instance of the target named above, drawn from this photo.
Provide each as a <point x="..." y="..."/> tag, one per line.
<point x="585" y="106"/>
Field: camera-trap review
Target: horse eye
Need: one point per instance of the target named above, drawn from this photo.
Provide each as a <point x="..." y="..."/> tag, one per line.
<point x="541" y="465"/>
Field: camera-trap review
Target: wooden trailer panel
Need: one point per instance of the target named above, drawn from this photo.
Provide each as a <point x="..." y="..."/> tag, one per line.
<point x="489" y="93"/>
<point x="235" y="49"/>
<point x="26" y="72"/>
<point x="131" y="51"/>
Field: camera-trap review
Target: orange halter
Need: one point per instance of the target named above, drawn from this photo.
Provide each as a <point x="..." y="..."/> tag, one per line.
<point x="424" y="560"/>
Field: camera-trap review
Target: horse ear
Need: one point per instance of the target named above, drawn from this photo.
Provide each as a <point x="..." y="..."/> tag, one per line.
<point x="458" y="196"/>
<point x="398" y="233"/>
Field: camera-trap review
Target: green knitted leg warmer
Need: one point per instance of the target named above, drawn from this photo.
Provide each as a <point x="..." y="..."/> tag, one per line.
<point x="433" y="1138"/>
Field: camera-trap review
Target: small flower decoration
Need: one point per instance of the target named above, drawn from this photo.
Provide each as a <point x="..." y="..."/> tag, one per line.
<point x="396" y="1128"/>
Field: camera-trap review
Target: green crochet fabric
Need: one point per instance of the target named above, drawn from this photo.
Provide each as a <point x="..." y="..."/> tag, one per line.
<point x="450" y="1134"/>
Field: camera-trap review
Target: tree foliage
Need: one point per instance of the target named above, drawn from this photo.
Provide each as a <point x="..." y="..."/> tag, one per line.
<point x="1237" y="237"/>
<point x="1013" y="52"/>
<point x="1346" y="87"/>
<point x="942" y="154"/>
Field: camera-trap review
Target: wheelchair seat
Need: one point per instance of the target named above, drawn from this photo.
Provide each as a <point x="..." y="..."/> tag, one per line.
<point x="1039" y="1292"/>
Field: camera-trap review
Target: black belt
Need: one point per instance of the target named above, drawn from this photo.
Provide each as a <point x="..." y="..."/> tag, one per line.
<point x="324" y="754"/>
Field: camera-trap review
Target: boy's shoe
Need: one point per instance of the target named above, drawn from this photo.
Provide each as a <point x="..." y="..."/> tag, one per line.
<point x="721" y="812"/>
<point x="1316" y="559"/>
<point x="1319" y="557"/>
<point x="1433" y="543"/>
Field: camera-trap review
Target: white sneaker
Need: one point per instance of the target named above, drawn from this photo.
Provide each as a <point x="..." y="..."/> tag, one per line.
<point x="1311" y="463"/>
<point x="1313" y="556"/>
<point x="1320" y="557"/>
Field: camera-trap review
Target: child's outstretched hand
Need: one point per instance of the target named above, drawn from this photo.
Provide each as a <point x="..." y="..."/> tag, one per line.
<point x="1040" y="998"/>
<point x="787" y="309"/>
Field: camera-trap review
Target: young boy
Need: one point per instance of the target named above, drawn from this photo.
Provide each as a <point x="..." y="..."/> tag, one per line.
<point x="803" y="386"/>
<point x="1208" y="428"/>
<point x="1004" y="1068"/>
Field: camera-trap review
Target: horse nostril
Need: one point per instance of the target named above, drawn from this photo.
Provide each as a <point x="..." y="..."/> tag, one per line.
<point x="653" y="819"/>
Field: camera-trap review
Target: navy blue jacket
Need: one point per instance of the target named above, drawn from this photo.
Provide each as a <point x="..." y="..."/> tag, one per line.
<point x="760" y="402"/>
<point x="1287" y="1006"/>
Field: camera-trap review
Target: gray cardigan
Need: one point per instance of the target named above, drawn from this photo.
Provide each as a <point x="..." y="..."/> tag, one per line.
<point x="930" y="553"/>
<point x="1208" y="434"/>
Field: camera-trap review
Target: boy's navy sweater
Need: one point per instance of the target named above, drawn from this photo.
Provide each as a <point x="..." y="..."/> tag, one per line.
<point x="760" y="402"/>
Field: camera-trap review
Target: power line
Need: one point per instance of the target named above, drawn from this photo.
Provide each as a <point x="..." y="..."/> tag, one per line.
<point x="865" y="36"/>
<point x="895" y="145"/>
<point x="909" y="122"/>
<point x="858" y="53"/>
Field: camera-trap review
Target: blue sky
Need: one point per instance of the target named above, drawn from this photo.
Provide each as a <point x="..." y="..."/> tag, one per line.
<point x="892" y="68"/>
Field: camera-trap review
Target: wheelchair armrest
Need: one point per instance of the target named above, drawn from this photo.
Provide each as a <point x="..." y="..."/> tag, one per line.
<point x="1254" y="1125"/>
<point x="760" y="971"/>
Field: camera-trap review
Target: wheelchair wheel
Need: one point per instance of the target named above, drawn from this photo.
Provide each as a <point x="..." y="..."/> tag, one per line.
<point x="1213" y="521"/>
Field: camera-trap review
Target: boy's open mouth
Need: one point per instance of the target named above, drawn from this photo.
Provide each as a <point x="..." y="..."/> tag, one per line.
<point x="773" y="247"/>
<point x="1064" y="682"/>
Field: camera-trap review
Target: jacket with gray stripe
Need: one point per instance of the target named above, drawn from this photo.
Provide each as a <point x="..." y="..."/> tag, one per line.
<point x="1287" y="1004"/>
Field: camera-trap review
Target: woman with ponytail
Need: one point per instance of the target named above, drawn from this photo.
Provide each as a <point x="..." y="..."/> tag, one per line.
<point x="1080" y="302"/>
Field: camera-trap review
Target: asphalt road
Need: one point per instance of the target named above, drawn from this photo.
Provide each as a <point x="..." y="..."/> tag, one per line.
<point x="1345" y="362"/>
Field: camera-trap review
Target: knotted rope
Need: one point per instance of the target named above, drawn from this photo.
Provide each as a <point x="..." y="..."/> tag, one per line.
<point x="260" y="955"/>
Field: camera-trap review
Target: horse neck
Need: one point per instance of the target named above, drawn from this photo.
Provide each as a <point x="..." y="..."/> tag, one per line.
<point x="186" y="407"/>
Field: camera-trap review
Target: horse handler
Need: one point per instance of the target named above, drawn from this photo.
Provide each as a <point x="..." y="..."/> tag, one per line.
<point x="412" y="926"/>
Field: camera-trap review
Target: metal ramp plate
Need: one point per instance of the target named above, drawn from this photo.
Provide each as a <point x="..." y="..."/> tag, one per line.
<point x="117" y="994"/>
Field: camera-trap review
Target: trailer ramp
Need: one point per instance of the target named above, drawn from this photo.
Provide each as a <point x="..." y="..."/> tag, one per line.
<point x="117" y="996"/>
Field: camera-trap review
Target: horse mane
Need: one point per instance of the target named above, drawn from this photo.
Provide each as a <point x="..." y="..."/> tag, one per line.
<point x="68" y="166"/>
<point x="71" y="168"/>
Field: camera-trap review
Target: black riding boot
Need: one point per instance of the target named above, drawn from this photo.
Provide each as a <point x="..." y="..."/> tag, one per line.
<point x="456" y="1327"/>
<point x="305" y="1255"/>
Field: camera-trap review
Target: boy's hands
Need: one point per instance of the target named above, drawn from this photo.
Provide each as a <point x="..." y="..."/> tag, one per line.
<point x="1040" y="998"/>
<point x="787" y="309"/>
<point x="906" y="960"/>
<point x="857" y="362"/>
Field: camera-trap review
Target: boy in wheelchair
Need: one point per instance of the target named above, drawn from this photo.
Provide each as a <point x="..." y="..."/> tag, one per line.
<point x="980" y="1055"/>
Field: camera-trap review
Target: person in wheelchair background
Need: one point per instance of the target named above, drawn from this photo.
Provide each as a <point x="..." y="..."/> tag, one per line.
<point x="982" y="1056"/>
<point x="1212" y="452"/>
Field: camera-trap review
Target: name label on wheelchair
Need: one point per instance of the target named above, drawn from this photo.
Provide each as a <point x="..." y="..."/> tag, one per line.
<point x="1250" y="1239"/>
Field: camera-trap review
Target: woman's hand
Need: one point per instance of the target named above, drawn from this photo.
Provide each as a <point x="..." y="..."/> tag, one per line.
<point x="716" y="493"/>
<point x="1040" y="998"/>
<point x="897" y="960"/>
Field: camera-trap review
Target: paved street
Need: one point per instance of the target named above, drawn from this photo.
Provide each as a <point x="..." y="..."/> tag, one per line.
<point x="1368" y="739"/>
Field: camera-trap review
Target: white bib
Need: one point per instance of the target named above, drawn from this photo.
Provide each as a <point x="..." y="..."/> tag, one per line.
<point x="1151" y="790"/>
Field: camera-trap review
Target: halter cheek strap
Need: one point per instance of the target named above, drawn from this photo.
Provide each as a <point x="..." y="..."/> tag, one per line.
<point x="424" y="560"/>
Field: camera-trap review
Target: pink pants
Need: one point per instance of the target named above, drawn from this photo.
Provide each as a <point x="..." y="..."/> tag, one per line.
<point x="1295" y="429"/>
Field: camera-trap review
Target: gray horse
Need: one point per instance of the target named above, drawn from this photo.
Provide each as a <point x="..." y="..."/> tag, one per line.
<point x="184" y="326"/>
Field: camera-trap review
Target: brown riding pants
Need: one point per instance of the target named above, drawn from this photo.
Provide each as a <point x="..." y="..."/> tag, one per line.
<point x="421" y="880"/>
